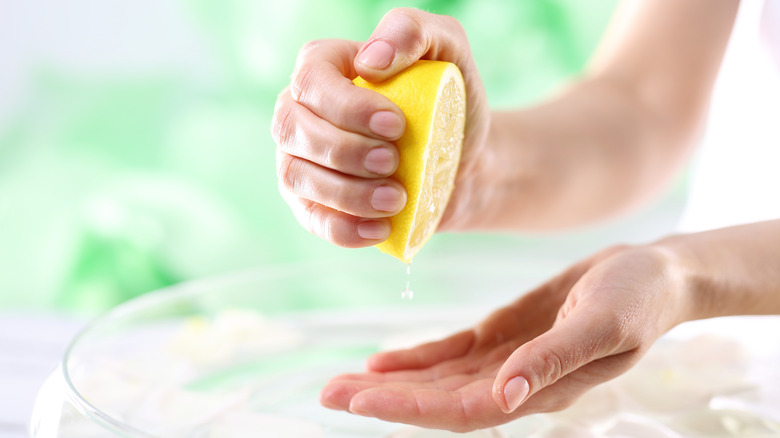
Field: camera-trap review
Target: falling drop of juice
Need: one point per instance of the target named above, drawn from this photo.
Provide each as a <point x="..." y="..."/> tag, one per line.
<point x="407" y="293"/>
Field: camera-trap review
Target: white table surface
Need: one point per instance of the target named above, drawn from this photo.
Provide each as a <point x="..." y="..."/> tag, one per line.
<point x="31" y="346"/>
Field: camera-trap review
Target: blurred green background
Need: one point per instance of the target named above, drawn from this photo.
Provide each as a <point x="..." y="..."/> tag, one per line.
<point x="135" y="147"/>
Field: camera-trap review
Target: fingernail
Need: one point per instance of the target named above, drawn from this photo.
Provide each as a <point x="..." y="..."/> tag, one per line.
<point x="380" y="161"/>
<point x="515" y="391"/>
<point x="386" y="198"/>
<point x="386" y="124"/>
<point x="378" y="55"/>
<point x="373" y="230"/>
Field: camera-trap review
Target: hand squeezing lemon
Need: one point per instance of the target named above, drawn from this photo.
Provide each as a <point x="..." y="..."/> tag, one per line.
<point x="432" y="96"/>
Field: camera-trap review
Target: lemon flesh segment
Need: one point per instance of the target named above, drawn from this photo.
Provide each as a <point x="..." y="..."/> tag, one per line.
<point x="432" y="96"/>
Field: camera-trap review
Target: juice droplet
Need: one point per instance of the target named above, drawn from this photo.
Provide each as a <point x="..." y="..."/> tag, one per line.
<point x="408" y="293"/>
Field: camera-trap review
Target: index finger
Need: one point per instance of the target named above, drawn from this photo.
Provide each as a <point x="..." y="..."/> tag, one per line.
<point x="322" y="82"/>
<point x="465" y="409"/>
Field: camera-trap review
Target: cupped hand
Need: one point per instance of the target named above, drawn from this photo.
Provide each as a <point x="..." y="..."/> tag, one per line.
<point x="335" y="150"/>
<point x="539" y="354"/>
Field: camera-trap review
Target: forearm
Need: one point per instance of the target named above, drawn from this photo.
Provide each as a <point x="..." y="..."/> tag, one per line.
<point x="729" y="271"/>
<point x="589" y="154"/>
<point x="612" y="140"/>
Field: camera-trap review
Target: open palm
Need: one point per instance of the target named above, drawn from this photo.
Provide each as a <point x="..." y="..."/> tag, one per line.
<point x="539" y="354"/>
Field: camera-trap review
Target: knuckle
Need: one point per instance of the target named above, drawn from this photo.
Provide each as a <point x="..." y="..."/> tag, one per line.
<point x="470" y="418"/>
<point x="339" y="238"/>
<point x="309" y="47"/>
<point x="346" y="111"/>
<point x="552" y="366"/>
<point x="453" y="24"/>
<point x="410" y="20"/>
<point x="316" y="222"/>
<point x="403" y="13"/>
<point x="336" y="156"/>
<point x="327" y="224"/>
<point x="289" y="173"/>
<point x="303" y="82"/>
<point x="284" y="127"/>
<point x="409" y="16"/>
<point x="356" y="111"/>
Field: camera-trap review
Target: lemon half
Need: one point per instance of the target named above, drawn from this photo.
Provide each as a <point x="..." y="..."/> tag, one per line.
<point x="432" y="96"/>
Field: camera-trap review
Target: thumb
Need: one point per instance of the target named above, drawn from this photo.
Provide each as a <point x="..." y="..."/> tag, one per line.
<point x="571" y="343"/>
<point x="405" y="35"/>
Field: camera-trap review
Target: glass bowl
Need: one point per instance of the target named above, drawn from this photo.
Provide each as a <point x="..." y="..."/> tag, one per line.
<point x="245" y="355"/>
<point x="251" y="350"/>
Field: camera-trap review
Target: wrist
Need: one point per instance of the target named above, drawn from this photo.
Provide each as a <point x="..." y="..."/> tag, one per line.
<point x="494" y="189"/>
<point x="727" y="271"/>
<point x="683" y="280"/>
